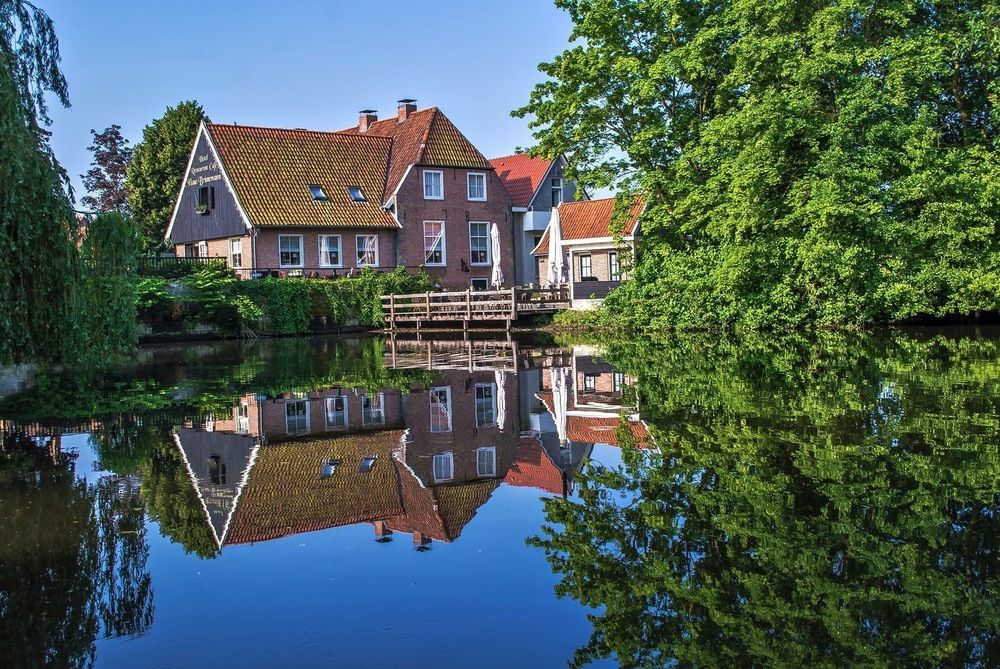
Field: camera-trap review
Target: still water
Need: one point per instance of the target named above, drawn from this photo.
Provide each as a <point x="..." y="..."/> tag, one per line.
<point x="827" y="501"/>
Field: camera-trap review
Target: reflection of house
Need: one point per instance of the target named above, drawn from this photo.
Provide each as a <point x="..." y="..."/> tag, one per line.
<point x="590" y="249"/>
<point x="535" y="185"/>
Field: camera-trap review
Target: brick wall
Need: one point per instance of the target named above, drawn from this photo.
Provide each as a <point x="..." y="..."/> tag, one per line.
<point x="273" y="413"/>
<point x="268" y="253"/>
<point x="456" y="211"/>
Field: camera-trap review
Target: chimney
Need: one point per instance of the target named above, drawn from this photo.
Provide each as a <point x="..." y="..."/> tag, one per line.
<point x="366" y="118"/>
<point x="382" y="532"/>
<point x="406" y="107"/>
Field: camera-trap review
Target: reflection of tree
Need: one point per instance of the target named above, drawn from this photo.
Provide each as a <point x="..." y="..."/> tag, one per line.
<point x="72" y="560"/>
<point x="829" y="503"/>
<point x="172" y="502"/>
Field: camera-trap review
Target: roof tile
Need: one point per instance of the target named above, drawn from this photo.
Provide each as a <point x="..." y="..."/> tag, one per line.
<point x="521" y="174"/>
<point x="590" y="219"/>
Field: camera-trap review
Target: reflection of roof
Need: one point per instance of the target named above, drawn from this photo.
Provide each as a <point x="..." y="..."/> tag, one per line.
<point x="521" y="174"/>
<point x="270" y="168"/>
<point x="533" y="468"/>
<point x="602" y="429"/>
<point x="590" y="219"/>
<point x="440" y="512"/>
<point x="426" y="137"/>
<point x="286" y="494"/>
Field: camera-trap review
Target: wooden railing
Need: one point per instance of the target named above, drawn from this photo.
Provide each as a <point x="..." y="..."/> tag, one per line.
<point x="472" y="305"/>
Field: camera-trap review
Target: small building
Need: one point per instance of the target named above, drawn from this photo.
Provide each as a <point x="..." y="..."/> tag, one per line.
<point x="410" y="190"/>
<point x="536" y="186"/>
<point x="591" y="253"/>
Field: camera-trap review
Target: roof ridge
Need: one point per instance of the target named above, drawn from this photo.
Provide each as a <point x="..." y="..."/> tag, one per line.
<point x="336" y="133"/>
<point x="520" y="154"/>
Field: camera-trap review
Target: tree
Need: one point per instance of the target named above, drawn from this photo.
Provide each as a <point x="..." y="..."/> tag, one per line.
<point x="105" y="180"/>
<point x="157" y="168"/>
<point x="808" y="163"/>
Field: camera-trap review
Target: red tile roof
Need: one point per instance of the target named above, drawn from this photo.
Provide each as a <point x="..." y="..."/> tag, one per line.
<point x="426" y="137"/>
<point x="590" y="219"/>
<point x="598" y="430"/>
<point x="271" y="169"/>
<point x="521" y="175"/>
<point x="533" y="468"/>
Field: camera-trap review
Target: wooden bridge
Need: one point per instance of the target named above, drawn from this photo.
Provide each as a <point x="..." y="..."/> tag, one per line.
<point x="471" y="306"/>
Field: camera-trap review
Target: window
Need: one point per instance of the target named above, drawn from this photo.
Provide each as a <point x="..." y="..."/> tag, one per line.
<point x="486" y="461"/>
<point x="355" y="193"/>
<point x="236" y="253"/>
<point x="434" y="243"/>
<point x="617" y="382"/>
<point x="479" y="243"/>
<point x="486" y="404"/>
<point x="480" y="283"/>
<point x="477" y="186"/>
<point x="216" y="470"/>
<point x="189" y="251"/>
<point x="206" y="199"/>
<point x="441" y="409"/>
<point x="242" y="418"/>
<point x="557" y="193"/>
<point x="297" y="416"/>
<point x="336" y="413"/>
<point x="444" y="467"/>
<point x="329" y="251"/>
<point x="290" y="250"/>
<point x="585" y="267"/>
<point x="372" y="412"/>
<point x="613" y="268"/>
<point x="433" y="185"/>
<point x="590" y="381"/>
<point x="367" y="248"/>
<point x="202" y="249"/>
<point x="317" y="193"/>
<point x="328" y="468"/>
<point x="366" y="464"/>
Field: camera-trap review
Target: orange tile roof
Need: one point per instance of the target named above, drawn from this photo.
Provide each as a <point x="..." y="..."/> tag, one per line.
<point x="426" y="137"/>
<point x="284" y="493"/>
<point x="589" y="219"/>
<point x="533" y="468"/>
<point x="521" y="174"/>
<point x="597" y="430"/>
<point x="271" y="169"/>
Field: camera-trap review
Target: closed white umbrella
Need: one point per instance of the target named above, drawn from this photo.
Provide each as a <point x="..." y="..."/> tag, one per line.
<point x="501" y="380"/>
<point x="560" y="400"/>
<point x="555" y="273"/>
<point x="497" y="272"/>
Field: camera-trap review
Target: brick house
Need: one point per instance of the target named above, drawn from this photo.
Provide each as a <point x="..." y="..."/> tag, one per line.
<point x="536" y="186"/>
<point x="591" y="251"/>
<point x="409" y="190"/>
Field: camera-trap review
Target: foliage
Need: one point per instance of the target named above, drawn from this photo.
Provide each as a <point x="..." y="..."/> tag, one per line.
<point x="157" y="167"/>
<point x="819" y="163"/>
<point x="107" y="300"/>
<point x="105" y="180"/>
<point x="29" y="47"/>
<point x="827" y="501"/>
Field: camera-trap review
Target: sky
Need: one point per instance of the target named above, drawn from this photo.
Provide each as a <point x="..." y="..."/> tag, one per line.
<point x="299" y="64"/>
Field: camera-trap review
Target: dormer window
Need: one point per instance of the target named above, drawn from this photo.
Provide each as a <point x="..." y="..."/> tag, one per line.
<point x="366" y="464"/>
<point x="356" y="194"/>
<point x="318" y="193"/>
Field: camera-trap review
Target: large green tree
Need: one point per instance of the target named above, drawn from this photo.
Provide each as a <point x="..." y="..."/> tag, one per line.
<point x="157" y="168"/>
<point x="810" y="162"/>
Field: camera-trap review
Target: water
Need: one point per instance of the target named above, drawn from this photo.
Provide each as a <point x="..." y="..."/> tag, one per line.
<point x="826" y="501"/>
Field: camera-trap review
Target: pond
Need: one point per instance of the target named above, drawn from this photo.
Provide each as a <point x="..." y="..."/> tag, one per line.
<point x="796" y="501"/>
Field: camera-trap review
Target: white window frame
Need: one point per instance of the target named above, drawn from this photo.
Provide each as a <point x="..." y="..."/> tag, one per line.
<point x="302" y="249"/>
<point x="304" y="402"/>
<point x="485" y="283"/>
<point x="367" y="421"/>
<point x="444" y="246"/>
<point x="617" y="382"/>
<point x="492" y="450"/>
<point x="236" y="249"/>
<point x="358" y="251"/>
<point x="614" y="269"/>
<point x="493" y="386"/>
<point x="202" y="249"/>
<point x="440" y="195"/>
<point x="468" y="186"/>
<point x="590" y="382"/>
<point x="489" y="245"/>
<point x="322" y="254"/>
<point x="590" y="266"/>
<point x="242" y="412"/>
<point x="331" y="402"/>
<point x="556" y="185"/>
<point x="432" y="404"/>
<point x="448" y="458"/>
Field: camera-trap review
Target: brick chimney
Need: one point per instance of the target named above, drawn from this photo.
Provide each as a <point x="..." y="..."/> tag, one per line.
<point x="406" y="107"/>
<point x="366" y="118"/>
<point x="382" y="532"/>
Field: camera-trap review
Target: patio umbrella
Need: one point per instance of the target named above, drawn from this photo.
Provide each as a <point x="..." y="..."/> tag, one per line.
<point x="560" y="400"/>
<point x="497" y="272"/>
<point x="501" y="379"/>
<point x="555" y="273"/>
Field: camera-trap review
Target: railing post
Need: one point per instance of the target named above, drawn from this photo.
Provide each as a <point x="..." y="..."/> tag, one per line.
<point x="392" y="313"/>
<point x="427" y="303"/>
<point x="468" y="305"/>
<point x="513" y="303"/>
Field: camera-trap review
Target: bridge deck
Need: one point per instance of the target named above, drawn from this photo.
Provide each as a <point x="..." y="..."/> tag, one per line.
<point x="471" y="306"/>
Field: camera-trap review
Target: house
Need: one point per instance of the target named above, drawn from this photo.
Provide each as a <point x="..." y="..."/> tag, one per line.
<point x="410" y="190"/>
<point x="535" y="185"/>
<point x="591" y="253"/>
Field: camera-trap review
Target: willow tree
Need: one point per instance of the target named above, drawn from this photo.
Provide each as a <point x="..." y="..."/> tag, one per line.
<point x="812" y="162"/>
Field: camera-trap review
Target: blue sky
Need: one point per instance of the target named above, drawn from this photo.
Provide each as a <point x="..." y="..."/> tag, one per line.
<point x="298" y="63"/>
